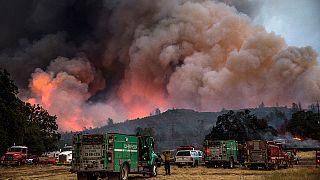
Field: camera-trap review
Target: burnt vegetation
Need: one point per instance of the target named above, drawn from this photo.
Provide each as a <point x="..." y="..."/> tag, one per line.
<point x="22" y="123"/>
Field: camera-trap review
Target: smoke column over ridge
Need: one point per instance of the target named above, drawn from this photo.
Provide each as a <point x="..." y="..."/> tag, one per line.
<point x="141" y="55"/>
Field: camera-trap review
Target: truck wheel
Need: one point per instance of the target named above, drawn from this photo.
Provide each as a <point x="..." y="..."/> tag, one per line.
<point x="154" y="171"/>
<point x="81" y="176"/>
<point x="124" y="171"/>
<point x="113" y="176"/>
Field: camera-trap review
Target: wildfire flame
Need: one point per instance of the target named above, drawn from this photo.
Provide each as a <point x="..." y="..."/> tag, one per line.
<point x="297" y="138"/>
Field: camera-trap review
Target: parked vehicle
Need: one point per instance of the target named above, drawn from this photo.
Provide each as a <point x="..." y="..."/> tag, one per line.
<point x="65" y="157"/>
<point x="47" y="160"/>
<point x="113" y="155"/>
<point x="318" y="157"/>
<point x="32" y="160"/>
<point x="16" y="155"/>
<point x="220" y="153"/>
<point x="265" y="154"/>
<point x="188" y="158"/>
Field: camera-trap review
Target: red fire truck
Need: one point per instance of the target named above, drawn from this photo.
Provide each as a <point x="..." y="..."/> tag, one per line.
<point x="16" y="155"/>
<point x="265" y="154"/>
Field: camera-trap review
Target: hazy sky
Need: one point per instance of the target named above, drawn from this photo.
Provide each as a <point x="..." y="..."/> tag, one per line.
<point x="298" y="21"/>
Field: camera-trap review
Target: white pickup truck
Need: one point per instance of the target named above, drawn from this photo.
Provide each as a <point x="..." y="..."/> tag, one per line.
<point x="188" y="158"/>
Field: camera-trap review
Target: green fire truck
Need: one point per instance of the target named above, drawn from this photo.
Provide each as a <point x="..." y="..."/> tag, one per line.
<point x="220" y="153"/>
<point x="113" y="155"/>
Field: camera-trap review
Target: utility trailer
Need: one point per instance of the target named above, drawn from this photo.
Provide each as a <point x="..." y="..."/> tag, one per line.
<point x="113" y="155"/>
<point x="220" y="153"/>
<point x="265" y="154"/>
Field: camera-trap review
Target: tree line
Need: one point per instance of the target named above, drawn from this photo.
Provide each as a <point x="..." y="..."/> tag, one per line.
<point x="22" y="123"/>
<point x="241" y="126"/>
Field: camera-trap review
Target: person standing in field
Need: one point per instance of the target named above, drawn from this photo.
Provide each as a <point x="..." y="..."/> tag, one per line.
<point x="167" y="162"/>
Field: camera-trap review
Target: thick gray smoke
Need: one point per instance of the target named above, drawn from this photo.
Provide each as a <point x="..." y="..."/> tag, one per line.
<point x="140" y="55"/>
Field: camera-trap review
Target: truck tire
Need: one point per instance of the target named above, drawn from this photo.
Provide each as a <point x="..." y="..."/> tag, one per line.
<point x="86" y="176"/>
<point x="154" y="171"/>
<point x="113" y="176"/>
<point x="124" y="171"/>
<point x="81" y="176"/>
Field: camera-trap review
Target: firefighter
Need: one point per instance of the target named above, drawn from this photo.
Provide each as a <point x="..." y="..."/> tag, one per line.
<point x="291" y="159"/>
<point x="167" y="156"/>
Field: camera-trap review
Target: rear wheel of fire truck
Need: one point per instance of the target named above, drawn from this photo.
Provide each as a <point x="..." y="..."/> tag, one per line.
<point x="124" y="171"/>
<point x="86" y="176"/>
<point x="154" y="171"/>
<point x="231" y="163"/>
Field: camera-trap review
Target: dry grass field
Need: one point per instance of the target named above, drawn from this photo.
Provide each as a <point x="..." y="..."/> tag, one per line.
<point x="307" y="170"/>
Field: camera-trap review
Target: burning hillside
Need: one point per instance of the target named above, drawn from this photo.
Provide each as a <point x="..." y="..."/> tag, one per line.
<point x="143" y="55"/>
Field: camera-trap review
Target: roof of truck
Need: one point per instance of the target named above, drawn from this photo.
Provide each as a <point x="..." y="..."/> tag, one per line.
<point x="19" y="147"/>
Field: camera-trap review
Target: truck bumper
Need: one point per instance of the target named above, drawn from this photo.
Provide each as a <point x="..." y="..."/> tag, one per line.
<point x="9" y="162"/>
<point x="66" y="163"/>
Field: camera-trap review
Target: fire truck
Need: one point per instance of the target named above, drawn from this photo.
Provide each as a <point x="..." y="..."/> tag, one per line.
<point x="113" y="155"/>
<point x="265" y="154"/>
<point x="16" y="155"/>
<point x="65" y="157"/>
<point x="220" y="153"/>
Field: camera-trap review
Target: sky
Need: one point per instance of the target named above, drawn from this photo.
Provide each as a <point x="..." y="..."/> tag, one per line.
<point x="298" y="21"/>
<point x="86" y="61"/>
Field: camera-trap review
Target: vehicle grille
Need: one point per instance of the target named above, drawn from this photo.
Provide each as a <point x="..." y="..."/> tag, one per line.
<point x="8" y="157"/>
<point x="62" y="158"/>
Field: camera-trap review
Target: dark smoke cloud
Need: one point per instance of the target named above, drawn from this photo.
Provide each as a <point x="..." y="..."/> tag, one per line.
<point x="87" y="60"/>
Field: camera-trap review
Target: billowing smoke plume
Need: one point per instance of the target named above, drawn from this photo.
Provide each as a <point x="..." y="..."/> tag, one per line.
<point x="141" y="55"/>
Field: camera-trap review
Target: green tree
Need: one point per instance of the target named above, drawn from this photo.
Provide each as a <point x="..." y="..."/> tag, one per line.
<point x="241" y="126"/>
<point x="42" y="131"/>
<point x="305" y="125"/>
<point x="23" y="124"/>
<point x="110" y="122"/>
<point x="12" y="113"/>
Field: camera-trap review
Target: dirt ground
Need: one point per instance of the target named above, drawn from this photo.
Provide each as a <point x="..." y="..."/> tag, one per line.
<point x="306" y="170"/>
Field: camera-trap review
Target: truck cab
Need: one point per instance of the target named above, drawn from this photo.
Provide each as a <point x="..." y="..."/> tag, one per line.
<point x="16" y="155"/>
<point x="65" y="156"/>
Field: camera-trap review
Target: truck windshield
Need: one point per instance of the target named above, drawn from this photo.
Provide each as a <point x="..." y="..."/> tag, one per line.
<point x="15" y="149"/>
<point x="183" y="153"/>
<point x="67" y="148"/>
<point x="92" y="139"/>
